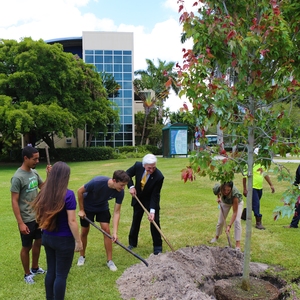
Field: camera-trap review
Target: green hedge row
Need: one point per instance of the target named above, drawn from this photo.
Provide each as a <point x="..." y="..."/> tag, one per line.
<point x="87" y="154"/>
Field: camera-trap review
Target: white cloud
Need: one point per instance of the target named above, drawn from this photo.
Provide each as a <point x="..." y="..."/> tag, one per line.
<point x="43" y="19"/>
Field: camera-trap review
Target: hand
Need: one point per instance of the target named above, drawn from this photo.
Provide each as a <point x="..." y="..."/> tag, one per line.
<point x="24" y="229"/>
<point x="228" y="229"/>
<point x="219" y="200"/>
<point x="272" y="189"/>
<point x="132" y="191"/>
<point x="48" y="169"/>
<point x="114" y="237"/>
<point x="151" y="217"/>
<point x="78" y="246"/>
<point x="245" y="193"/>
<point x="81" y="214"/>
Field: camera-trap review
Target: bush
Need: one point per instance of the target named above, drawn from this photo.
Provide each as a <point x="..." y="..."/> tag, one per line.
<point x="87" y="154"/>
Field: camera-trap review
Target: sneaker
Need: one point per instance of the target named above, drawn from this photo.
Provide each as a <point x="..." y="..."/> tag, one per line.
<point x="38" y="271"/>
<point x="111" y="265"/>
<point x="81" y="261"/>
<point x="130" y="247"/>
<point x="214" y="240"/>
<point x="29" y="279"/>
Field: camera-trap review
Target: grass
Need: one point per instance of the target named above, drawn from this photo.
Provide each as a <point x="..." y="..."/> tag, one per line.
<point x="189" y="215"/>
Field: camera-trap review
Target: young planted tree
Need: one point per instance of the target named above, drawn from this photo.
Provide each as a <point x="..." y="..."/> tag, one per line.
<point x="245" y="59"/>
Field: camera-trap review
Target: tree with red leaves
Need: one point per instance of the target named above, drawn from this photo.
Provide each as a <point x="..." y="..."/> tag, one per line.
<point x="245" y="59"/>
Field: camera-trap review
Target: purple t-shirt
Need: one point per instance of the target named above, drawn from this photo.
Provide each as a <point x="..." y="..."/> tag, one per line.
<point x="63" y="228"/>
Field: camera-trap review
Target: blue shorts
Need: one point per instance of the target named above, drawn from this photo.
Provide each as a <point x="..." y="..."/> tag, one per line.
<point x="101" y="217"/>
<point x="34" y="234"/>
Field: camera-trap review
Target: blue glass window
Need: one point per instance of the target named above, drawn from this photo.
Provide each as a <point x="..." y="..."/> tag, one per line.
<point x="108" y="59"/>
<point x="119" y="136"/>
<point x="127" y="76"/>
<point x="89" y="52"/>
<point x="127" y="68"/>
<point x="108" y="68"/>
<point x="127" y="52"/>
<point x="118" y="101"/>
<point x="117" y="68"/>
<point x="127" y="94"/>
<point x="128" y="128"/>
<point x="117" y="59"/>
<point x="127" y="85"/>
<point x="98" y="59"/>
<point x="127" y="136"/>
<point x="127" y="119"/>
<point x="99" y="52"/>
<point x="107" y="51"/>
<point x="89" y="59"/>
<point x="127" y="59"/>
<point x="99" y="67"/>
<point x="127" y="102"/>
<point x="118" y="76"/>
<point x="119" y="52"/>
<point x="127" y="111"/>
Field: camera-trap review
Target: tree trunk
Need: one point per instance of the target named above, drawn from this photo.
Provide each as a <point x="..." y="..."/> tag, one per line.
<point x="246" y="268"/>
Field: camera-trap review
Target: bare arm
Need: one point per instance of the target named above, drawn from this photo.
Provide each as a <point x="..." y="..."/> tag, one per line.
<point x="270" y="183"/>
<point x="74" y="229"/>
<point x="116" y="219"/>
<point x="235" y="206"/>
<point x="16" y="209"/>
<point x="80" y="198"/>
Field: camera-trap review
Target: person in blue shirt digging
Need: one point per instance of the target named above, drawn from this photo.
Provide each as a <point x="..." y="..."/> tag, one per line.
<point x="93" y="200"/>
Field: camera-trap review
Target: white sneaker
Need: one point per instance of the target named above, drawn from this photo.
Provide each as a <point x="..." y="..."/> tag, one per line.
<point x="29" y="279"/>
<point x="38" y="271"/>
<point x="111" y="265"/>
<point x="81" y="261"/>
<point x="214" y="240"/>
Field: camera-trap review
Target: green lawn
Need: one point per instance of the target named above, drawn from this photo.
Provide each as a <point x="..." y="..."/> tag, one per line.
<point x="188" y="217"/>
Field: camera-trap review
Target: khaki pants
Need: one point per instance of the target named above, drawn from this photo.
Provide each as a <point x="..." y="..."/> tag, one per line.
<point x="224" y="209"/>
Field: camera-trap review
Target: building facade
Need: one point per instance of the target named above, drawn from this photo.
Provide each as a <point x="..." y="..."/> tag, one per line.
<point x="112" y="53"/>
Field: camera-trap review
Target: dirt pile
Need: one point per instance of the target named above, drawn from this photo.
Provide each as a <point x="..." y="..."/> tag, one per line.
<point x="188" y="273"/>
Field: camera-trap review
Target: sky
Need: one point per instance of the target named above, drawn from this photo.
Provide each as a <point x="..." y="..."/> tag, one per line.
<point x="155" y="24"/>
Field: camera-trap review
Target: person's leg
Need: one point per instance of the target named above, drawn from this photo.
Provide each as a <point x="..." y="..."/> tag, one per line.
<point x="64" y="257"/>
<point x="36" y="247"/>
<point x="256" y="195"/>
<point x="84" y="237"/>
<point x="156" y="237"/>
<point x="27" y="240"/>
<point x="107" y="241"/>
<point x="51" y="266"/>
<point x="238" y="226"/>
<point x="24" y="255"/>
<point x="138" y="213"/>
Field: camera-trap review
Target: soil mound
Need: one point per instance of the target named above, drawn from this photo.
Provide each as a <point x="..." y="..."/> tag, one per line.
<point x="187" y="274"/>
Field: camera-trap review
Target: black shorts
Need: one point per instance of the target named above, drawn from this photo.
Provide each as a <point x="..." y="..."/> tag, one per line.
<point x="101" y="217"/>
<point x="34" y="234"/>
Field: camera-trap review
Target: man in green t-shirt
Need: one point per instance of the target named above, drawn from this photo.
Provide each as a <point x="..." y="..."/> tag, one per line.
<point x="259" y="175"/>
<point x="24" y="188"/>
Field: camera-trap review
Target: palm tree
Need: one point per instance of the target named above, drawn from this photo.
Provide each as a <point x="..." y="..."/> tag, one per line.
<point x="159" y="79"/>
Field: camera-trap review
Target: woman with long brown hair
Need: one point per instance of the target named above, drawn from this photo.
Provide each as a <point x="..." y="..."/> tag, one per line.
<point x="55" y="208"/>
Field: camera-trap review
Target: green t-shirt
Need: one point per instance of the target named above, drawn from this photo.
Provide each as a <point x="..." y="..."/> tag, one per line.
<point x="228" y="199"/>
<point x="26" y="185"/>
